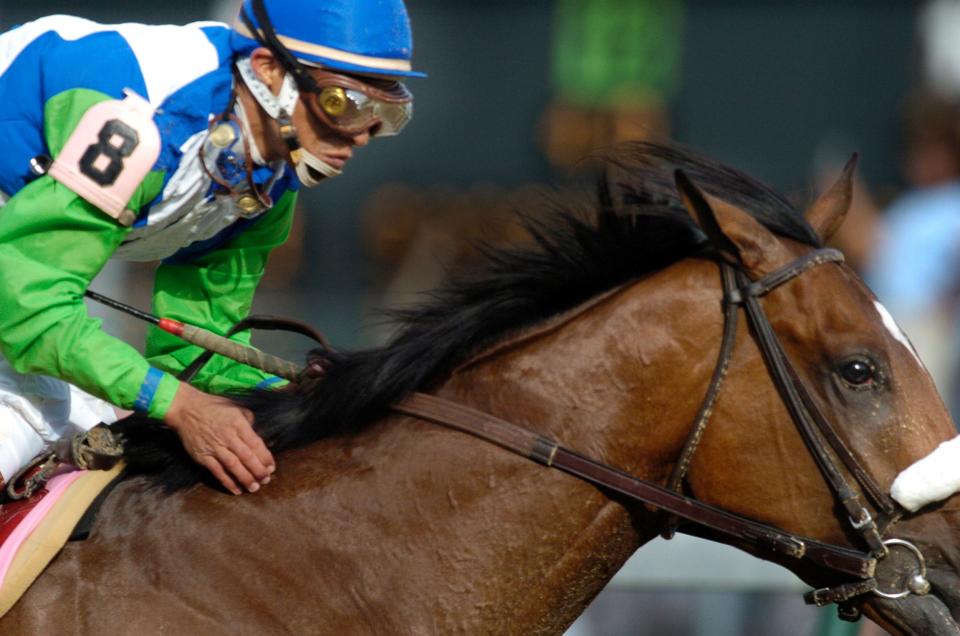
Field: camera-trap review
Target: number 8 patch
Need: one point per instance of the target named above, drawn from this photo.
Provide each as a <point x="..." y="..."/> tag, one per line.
<point x="109" y="153"/>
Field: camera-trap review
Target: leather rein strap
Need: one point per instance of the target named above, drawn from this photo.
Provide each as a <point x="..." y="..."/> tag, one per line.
<point x="810" y="422"/>
<point x="550" y="453"/>
<point x="809" y="419"/>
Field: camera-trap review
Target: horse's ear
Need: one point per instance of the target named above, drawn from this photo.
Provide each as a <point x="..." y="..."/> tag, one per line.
<point x="734" y="233"/>
<point x="828" y="211"/>
<point x="695" y="200"/>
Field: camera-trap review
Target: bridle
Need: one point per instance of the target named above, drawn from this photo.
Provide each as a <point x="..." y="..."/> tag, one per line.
<point x="815" y="429"/>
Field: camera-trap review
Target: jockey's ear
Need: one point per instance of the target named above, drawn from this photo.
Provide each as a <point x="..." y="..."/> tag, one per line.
<point x="735" y="234"/>
<point x="267" y="68"/>
<point x="828" y="212"/>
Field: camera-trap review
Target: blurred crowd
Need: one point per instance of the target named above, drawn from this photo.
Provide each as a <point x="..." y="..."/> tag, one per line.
<point x="616" y="66"/>
<point x="907" y="245"/>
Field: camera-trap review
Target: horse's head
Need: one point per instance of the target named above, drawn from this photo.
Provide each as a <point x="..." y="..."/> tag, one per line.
<point x="858" y="369"/>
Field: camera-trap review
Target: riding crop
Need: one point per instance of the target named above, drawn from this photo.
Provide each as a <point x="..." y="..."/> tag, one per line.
<point x="243" y="353"/>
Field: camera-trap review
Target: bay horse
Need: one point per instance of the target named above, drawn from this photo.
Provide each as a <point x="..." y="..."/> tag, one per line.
<point x="604" y="335"/>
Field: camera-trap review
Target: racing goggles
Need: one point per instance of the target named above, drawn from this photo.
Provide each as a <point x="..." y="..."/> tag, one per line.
<point x="352" y="107"/>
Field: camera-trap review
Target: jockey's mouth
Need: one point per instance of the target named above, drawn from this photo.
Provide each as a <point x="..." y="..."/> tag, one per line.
<point x="315" y="174"/>
<point x="336" y="161"/>
<point x="312" y="168"/>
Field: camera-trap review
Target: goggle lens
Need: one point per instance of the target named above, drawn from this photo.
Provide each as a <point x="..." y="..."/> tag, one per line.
<point x="354" y="111"/>
<point x="333" y="100"/>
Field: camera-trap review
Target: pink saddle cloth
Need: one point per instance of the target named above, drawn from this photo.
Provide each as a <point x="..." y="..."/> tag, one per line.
<point x="33" y="530"/>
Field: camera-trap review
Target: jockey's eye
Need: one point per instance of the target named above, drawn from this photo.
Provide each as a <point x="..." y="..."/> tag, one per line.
<point x="858" y="373"/>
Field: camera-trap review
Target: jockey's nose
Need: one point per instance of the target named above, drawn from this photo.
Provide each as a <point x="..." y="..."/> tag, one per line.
<point x="362" y="139"/>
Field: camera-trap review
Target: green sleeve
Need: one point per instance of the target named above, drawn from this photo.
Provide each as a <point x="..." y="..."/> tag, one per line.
<point x="52" y="244"/>
<point x="215" y="291"/>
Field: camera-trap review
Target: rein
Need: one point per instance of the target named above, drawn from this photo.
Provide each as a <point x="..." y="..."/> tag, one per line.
<point x="815" y="429"/>
<point x="549" y="453"/>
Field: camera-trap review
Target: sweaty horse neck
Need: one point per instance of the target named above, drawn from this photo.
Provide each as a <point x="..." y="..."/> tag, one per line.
<point x="409" y="527"/>
<point x="606" y="384"/>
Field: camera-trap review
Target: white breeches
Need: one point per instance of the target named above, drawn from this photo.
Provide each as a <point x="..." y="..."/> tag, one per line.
<point x="36" y="411"/>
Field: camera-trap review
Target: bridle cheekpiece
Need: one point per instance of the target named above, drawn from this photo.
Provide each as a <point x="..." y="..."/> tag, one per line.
<point x="815" y="429"/>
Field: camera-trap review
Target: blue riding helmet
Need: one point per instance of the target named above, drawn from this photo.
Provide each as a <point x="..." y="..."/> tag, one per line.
<point x="353" y="36"/>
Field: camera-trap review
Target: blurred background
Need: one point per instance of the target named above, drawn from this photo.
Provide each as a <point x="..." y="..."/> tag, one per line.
<point x="520" y="90"/>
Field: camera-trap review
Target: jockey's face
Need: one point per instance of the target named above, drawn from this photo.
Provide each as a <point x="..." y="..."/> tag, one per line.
<point x="315" y="136"/>
<point x="322" y="141"/>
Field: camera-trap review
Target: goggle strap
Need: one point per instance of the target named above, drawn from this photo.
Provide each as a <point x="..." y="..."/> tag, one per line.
<point x="267" y="36"/>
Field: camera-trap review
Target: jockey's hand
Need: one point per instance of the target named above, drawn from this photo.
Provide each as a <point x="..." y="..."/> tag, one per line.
<point x="219" y="435"/>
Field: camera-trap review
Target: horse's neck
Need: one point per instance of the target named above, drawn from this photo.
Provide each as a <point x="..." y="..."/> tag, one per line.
<point x="529" y="547"/>
<point x="480" y="540"/>
<point x="620" y="382"/>
<point x="414" y="528"/>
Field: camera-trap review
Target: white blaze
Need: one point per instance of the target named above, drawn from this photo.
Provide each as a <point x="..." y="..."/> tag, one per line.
<point x="895" y="331"/>
<point x="935" y="477"/>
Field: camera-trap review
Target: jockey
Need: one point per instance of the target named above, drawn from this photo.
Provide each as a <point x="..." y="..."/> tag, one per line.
<point x="179" y="144"/>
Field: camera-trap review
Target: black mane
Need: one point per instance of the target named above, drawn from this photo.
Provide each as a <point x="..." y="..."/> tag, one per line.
<point x="630" y="223"/>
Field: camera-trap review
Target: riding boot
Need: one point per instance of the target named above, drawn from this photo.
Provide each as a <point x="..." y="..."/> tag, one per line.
<point x="96" y="449"/>
<point x="36" y="412"/>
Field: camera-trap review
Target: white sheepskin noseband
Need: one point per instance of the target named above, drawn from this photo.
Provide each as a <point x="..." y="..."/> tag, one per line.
<point x="935" y="477"/>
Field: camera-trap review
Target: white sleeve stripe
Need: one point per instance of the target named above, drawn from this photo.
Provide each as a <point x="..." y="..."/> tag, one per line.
<point x="170" y="57"/>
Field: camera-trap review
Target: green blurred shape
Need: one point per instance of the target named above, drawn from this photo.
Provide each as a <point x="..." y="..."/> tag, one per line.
<point x="610" y="51"/>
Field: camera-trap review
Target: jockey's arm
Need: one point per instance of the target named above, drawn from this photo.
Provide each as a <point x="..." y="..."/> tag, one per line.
<point x="52" y="244"/>
<point x="215" y="290"/>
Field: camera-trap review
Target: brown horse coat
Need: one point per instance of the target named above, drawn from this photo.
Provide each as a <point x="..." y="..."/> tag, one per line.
<point x="408" y="528"/>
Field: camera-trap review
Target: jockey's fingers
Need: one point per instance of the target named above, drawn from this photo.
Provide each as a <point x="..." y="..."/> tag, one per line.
<point x="210" y="463"/>
<point x="256" y="444"/>
<point x="249" y="459"/>
<point x="233" y="464"/>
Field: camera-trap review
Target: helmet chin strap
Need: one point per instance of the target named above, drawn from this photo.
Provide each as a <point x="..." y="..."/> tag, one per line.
<point x="280" y="107"/>
<point x="308" y="161"/>
<point x="255" y="155"/>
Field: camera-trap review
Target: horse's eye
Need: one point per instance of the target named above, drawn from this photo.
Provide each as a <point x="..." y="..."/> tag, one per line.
<point x="858" y="372"/>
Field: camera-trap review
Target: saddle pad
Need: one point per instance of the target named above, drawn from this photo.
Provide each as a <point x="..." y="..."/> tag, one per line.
<point x="45" y="525"/>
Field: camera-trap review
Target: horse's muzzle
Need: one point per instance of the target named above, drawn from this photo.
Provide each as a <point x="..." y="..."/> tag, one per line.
<point x="933" y="614"/>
